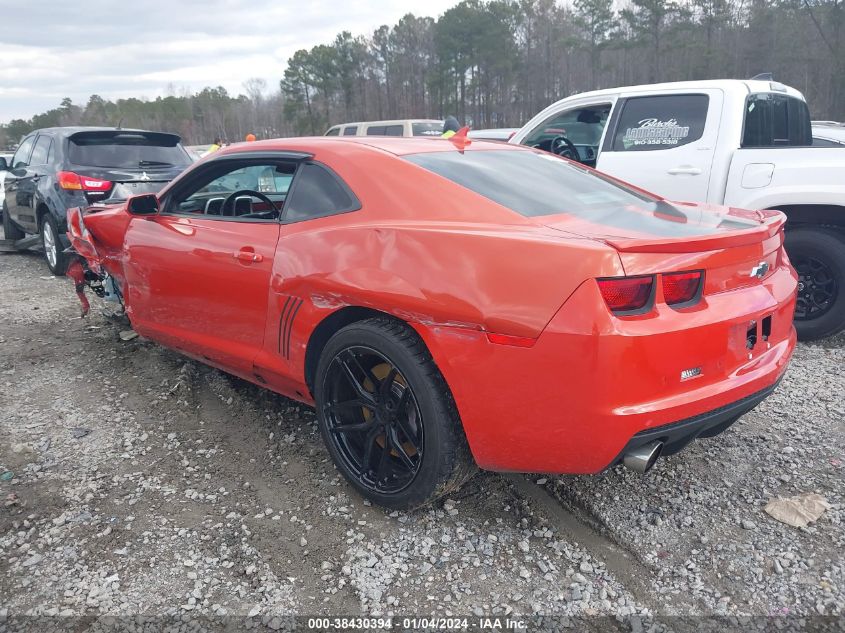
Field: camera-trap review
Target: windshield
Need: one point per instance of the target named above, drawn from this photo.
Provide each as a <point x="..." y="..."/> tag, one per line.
<point x="127" y="151"/>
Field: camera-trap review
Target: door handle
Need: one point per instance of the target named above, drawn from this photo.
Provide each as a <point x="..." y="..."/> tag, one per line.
<point x="248" y="256"/>
<point x="684" y="169"/>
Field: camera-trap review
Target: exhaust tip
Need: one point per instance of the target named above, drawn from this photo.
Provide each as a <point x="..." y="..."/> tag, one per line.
<point x="643" y="458"/>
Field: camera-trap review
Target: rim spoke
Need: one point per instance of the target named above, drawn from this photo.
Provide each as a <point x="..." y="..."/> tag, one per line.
<point x="359" y="388"/>
<point x="403" y="456"/>
<point x="355" y="403"/>
<point x="352" y="428"/>
<point x="369" y="442"/>
<point x="382" y="463"/>
<point x="350" y="356"/>
<point x="385" y="384"/>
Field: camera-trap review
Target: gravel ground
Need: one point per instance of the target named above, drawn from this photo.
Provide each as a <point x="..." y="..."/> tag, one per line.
<point x="144" y="483"/>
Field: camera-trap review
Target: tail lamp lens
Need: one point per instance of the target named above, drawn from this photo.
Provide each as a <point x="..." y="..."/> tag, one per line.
<point x="73" y="181"/>
<point x="624" y="294"/>
<point x="69" y="180"/>
<point x="681" y="287"/>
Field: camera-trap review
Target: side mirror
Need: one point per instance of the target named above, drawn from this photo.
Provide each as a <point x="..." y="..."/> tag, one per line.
<point x="4" y="166"/>
<point x="146" y="204"/>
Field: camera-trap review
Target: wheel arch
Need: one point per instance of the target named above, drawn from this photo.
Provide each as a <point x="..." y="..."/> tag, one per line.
<point x="41" y="209"/>
<point x="828" y="216"/>
<point x="326" y="329"/>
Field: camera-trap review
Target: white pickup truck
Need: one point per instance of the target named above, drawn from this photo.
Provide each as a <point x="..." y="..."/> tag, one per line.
<point x="737" y="143"/>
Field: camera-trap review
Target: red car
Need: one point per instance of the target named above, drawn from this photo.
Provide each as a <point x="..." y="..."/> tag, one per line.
<point x="452" y="303"/>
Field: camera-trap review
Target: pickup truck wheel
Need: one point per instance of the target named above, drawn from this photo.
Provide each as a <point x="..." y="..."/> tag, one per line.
<point x="818" y="256"/>
<point x="57" y="261"/>
<point x="387" y="416"/>
<point x="10" y="231"/>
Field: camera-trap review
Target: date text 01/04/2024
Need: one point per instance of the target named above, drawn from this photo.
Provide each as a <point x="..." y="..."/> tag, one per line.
<point x="418" y="623"/>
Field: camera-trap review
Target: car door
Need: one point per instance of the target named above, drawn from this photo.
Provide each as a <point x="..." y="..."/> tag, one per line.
<point x="198" y="273"/>
<point x="16" y="186"/>
<point x="664" y="142"/>
<point x="28" y="185"/>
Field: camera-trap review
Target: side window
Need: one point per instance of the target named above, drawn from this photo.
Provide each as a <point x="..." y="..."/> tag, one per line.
<point x="660" y="122"/>
<point x="351" y="130"/>
<point x="394" y="130"/>
<point x="375" y="130"/>
<point x="316" y="193"/>
<point x="582" y="126"/>
<point x="773" y="120"/>
<point x="333" y="131"/>
<point x="21" y="157"/>
<point x="230" y="190"/>
<point x="42" y="151"/>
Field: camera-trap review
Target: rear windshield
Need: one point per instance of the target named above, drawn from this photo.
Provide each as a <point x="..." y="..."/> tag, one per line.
<point x="533" y="183"/>
<point x="127" y="150"/>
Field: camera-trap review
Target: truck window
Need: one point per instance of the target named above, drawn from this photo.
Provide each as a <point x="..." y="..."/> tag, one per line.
<point x="335" y="131"/>
<point x="773" y="120"/>
<point x="660" y="122"/>
<point x="350" y="130"/>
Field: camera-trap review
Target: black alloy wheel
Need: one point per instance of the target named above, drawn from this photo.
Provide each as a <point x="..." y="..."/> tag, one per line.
<point x="373" y="419"/>
<point x="387" y="415"/>
<point x="817" y="287"/>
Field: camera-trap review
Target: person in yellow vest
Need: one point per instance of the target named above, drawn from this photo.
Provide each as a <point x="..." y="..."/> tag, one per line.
<point x="217" y="144"/>
<point x="450" y="126"/>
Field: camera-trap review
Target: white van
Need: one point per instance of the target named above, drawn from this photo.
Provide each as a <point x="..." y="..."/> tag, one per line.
<point x="401" y="127"/>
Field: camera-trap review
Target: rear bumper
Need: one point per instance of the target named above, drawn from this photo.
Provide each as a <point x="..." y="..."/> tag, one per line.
<point x="676" y="435"/>
<point x="594" y="384"/>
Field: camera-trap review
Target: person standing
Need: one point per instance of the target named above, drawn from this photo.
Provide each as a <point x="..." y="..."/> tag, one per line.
<point x="450" y="126"/>
<point x="217" y="144"/>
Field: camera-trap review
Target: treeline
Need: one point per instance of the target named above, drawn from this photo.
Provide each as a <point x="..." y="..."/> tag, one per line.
<point x="496" y="63"/>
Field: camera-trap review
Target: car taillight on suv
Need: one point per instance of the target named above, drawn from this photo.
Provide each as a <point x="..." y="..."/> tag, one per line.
<point x="73" y="181"/>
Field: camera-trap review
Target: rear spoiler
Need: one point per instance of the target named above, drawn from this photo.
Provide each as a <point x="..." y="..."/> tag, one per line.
<point x="96" y="137"/>
<point x="771" y="222"/>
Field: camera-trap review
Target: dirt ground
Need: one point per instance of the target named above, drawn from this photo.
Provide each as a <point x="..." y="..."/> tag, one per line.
<point x="134" y="481"/>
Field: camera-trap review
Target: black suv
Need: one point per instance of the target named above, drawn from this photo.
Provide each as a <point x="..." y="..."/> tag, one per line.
<point x="56" y="169"/>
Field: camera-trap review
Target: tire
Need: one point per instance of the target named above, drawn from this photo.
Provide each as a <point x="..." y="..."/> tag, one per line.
<point x="10" y="231"/>
<point x="389" y="361"/>
<point x="818" y="255"/>
<point x="56" y="260"/>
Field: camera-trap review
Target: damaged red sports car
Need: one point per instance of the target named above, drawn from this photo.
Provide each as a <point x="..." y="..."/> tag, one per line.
<point x="452" y="303"/>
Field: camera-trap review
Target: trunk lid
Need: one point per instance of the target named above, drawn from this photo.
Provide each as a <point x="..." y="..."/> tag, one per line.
<point x="132" y="162"/>
<point x="734" y="247"/>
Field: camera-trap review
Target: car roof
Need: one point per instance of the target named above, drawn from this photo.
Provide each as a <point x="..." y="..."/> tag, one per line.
<point x="396" y="145"/>
<point x="68" y="130"/>
<point x="727" y="85"/>
<point x="389" y="122"/>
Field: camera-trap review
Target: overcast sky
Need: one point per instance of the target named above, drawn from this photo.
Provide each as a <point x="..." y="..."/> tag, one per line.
<point x="51" y="50"/>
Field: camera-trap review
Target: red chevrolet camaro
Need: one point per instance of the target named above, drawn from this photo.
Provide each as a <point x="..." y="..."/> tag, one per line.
<point x="452" y="303"/>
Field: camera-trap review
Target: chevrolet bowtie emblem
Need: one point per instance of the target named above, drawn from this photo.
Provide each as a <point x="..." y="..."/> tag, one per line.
<point x="759" y="270"/>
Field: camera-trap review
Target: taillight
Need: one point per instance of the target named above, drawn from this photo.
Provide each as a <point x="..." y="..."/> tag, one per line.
<point x="73" y="181"/>
<point x="626" y="294"/>
<point x="681" y="287"/>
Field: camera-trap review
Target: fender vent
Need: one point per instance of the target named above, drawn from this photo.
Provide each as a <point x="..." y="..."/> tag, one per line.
<point x="289" y="310"/>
